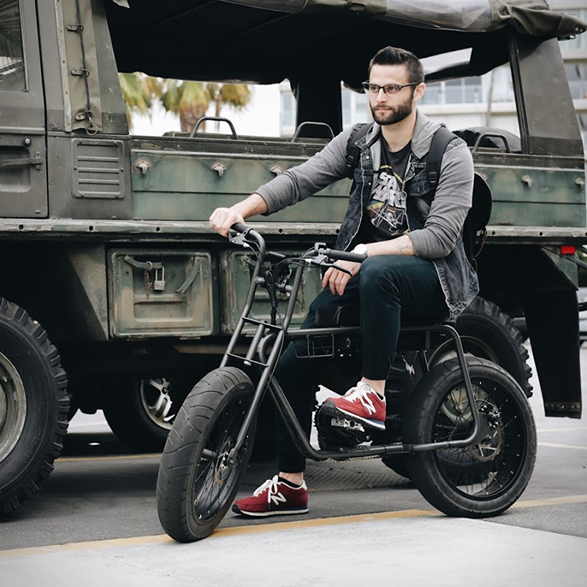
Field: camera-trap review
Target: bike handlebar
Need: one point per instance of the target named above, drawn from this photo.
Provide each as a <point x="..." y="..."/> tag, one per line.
<point x="344" y="255"/>
<point x="320" y="249"/>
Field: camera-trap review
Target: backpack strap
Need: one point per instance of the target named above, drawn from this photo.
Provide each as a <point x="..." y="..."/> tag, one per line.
<point x="352" y="151"/>
<point x="442" y="137"/>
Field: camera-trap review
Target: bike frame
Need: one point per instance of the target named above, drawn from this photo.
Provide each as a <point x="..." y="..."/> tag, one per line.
<point x="274" y="337"/>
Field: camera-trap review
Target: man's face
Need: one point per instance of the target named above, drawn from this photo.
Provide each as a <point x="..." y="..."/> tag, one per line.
<point x="395" y="108"/>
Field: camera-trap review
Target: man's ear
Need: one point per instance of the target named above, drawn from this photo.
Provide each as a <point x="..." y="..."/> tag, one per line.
<point x="419" y="91"/>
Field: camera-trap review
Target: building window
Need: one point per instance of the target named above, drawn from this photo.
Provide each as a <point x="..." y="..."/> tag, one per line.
<point x="288" y="110"/>
<point x="467" y="90"/>
<point x="580" y="41"/>
<point x="577" y="76"/>
<point x="12" y="71"/>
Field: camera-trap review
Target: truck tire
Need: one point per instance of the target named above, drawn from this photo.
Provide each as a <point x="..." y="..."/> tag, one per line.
<point x="487" y="333"/>
<point x="197" y="483"/>
<point x="141" y="411"/>
<point x="478" y="480"/>
<point x="33" y="406"/>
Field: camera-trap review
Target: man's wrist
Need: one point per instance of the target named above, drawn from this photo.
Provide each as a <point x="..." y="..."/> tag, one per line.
<point x="361" y="249"/>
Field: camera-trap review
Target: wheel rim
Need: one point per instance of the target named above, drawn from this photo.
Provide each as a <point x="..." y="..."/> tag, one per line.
<point x="158" y="402"/>
<point x="486" y="470"/>
<point x="13" y="406"/>
<point x="216" y="477"/>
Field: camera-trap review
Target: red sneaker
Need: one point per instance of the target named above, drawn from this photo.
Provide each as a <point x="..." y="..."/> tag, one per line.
<point x="361" y="403"/>
<point x="274" y="498"/>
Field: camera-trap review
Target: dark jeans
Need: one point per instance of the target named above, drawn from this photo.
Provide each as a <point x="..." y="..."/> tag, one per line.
<point x="388" y="289"/>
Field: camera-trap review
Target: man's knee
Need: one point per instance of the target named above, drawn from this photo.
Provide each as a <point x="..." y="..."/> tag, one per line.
<point x="380" y="271"/>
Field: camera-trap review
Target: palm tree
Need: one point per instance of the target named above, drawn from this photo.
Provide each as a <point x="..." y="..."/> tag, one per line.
<point x="190" y="100"/>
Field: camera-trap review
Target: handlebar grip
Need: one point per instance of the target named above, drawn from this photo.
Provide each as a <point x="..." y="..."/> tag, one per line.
<point x="344" y="256"/>
<point x="238" y="227"/>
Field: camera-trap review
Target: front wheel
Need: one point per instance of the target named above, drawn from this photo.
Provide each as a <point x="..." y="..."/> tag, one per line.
<point x="197" y="481"/>
<point x="478" y="480"/>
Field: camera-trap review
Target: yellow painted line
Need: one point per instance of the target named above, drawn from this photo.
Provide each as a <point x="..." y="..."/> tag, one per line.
<point x="565" y="500"/>
<point x="555" y="445"/>
<point x="242" y="530"/>
<point x="257" y="529"/>
<point x="320" y="522"/>
<point x="77" y="546"/>
<point x="108" y="458"/>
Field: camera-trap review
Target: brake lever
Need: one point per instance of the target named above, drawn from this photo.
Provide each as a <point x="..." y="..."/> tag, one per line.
<point x="323" y="261"/>
<point x="239" y="238"/>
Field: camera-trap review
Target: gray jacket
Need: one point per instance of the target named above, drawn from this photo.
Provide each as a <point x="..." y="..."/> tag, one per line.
<point x="435" y="218"/>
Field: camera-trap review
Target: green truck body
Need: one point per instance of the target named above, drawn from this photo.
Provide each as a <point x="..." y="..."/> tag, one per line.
<point x="104" y="236"/>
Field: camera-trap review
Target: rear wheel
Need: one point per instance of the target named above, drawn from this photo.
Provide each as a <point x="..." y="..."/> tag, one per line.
<point x="197" y="481"/>
<point x="478" y="480"/>
<point x="488" y="333"/>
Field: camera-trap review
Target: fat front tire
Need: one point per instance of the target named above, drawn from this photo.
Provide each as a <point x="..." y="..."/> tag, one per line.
<point x="197" y="483"/>
<point x="33" y="406"/>
<point x="479" y="480"/>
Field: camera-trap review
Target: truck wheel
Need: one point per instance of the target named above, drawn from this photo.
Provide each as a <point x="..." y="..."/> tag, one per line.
<point x="198" y="475"/>
<point x="141" y="411"/>
<point x="33" y="406"/>
<point x="478" y="480"/>
<point x="489" y="333"/>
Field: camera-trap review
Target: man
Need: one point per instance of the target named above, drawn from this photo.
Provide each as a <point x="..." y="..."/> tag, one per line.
<point x="416" y="268"/>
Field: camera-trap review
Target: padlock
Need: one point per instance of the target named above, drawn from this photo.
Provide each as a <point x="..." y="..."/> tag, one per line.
<point x="159" y="284"/>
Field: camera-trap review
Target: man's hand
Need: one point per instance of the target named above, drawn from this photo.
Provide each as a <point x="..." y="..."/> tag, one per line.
<point x="336" y="279"/>
<point x="223" y="218"/>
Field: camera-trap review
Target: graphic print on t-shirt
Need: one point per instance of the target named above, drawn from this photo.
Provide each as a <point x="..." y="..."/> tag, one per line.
<point x="387" y="207"/>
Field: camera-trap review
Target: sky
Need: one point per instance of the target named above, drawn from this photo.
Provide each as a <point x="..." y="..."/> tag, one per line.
<point x="260" y="118"/>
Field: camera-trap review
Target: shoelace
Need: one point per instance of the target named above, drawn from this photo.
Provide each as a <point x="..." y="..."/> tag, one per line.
<point x="270" y="486"/>
<point x="361" y="393"/>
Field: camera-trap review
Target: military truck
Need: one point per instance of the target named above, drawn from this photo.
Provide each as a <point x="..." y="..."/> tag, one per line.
<point x="115" y="293"/>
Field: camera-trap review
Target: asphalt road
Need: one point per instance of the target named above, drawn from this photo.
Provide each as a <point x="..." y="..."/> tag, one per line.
<point x="97" y="511"/>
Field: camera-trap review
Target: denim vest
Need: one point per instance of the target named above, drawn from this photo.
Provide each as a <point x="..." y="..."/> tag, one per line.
<point x="456" y="275"/>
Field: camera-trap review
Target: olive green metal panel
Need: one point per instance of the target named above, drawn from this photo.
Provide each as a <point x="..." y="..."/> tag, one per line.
<point x="190" y="186"/>
<point x="161" y="293"/>
<point x="236" y="269"/>
<point x="526" y="196"/>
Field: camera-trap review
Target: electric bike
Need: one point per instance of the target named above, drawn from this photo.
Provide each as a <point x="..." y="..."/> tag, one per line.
<point x="462" y="428"/>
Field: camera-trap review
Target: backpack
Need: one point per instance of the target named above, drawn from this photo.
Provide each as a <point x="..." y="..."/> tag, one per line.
<point x="474" y="228"/>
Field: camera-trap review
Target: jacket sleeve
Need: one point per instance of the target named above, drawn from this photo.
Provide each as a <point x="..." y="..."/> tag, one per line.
<point x="453" y="198"/>
<point x="318" y="172"/>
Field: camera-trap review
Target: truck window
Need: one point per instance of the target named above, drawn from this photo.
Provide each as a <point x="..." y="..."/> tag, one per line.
<point x="12" y="69"/>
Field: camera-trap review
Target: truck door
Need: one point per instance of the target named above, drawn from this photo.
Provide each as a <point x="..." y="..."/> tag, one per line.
<point x="23" y="169"/>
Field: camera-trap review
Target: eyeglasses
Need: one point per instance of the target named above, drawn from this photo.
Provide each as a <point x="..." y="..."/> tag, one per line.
<point x="389" y="89"/>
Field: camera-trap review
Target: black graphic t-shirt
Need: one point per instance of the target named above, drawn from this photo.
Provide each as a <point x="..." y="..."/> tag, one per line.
<point x="386" y="210"/>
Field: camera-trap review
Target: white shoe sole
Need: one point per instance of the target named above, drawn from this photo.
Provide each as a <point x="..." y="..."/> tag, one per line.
<point x="277" y="513"/>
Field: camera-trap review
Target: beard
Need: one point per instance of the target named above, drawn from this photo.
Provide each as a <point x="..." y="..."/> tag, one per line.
<point x="392" y="115"/>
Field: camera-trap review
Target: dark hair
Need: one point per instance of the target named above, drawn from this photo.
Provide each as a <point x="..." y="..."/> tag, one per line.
<point x="396" y="56"/>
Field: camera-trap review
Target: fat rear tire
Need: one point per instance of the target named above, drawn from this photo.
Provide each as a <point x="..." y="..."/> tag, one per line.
<point x="196" y="485"/>
<point x="33" y="406"/>
<point x="479" y="480"/>
<point x="488" y="333"/>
